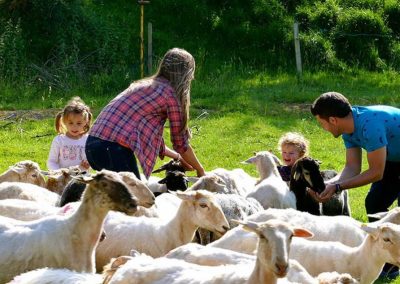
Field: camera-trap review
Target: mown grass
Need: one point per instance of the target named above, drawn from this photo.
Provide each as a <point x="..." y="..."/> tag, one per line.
<point x="234" y="113"/>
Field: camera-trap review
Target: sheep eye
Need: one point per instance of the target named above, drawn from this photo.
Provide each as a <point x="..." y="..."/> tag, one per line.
<point x="387" y="240"/>
<point x="203" y="205"/>
<point x="34" y="175"/>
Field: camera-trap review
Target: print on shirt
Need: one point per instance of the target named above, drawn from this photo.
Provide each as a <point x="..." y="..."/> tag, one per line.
<point x="72" y="152"/>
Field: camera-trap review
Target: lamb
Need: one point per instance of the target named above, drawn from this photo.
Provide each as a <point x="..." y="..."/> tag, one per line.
<point x="271" y="263"/>
<point x="271" y="191"/>
<point x="343" y="229"/>
<point x="157" y="236"/>
<point x="64" y="241"/>
<point x="363" y="262"/>
<point x="74" y="189"/>
<point x="58" y="179"/>
<point x="24" y="171"/>
<point x="21" y="190"/>
<point x="306" y="174"/>
<point x="56" y="276"/>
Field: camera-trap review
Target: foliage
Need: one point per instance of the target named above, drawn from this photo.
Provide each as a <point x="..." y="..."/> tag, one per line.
<point x="59" y="43"/>
<point x="12" y="49"/>
<point x="360" y="38"/>
<point x="392" y="13"/>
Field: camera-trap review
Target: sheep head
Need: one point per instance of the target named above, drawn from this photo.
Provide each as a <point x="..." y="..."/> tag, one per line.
<point x="306" y="170"/>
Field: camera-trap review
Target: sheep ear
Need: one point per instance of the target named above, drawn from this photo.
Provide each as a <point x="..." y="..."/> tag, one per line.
<point x="45" y="173"/>
<point x="17" y="170"/>
<point x="83" y="179"/>
<point x="302" y="233"/>
<point x="193" y="179"/>
<point x="318" y="162"/>
<point x="160" y="169"/>
<point x="379" y="215"/>
<point x="371" y="230"/>
<point x="184" y="195"/>
<point x="248" y="225"/>
<point x="249" y="161"/>
<point x="296" y="173"/>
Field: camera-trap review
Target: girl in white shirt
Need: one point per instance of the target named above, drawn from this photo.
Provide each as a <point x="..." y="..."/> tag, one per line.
<point x="68" y="147"/>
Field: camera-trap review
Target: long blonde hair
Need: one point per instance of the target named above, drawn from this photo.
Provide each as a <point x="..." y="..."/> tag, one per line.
<point x="177" y="66"/>
<point x="74" y="106"/>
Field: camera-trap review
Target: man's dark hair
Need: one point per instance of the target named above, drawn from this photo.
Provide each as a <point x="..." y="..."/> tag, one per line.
<point x="331" y="104"/>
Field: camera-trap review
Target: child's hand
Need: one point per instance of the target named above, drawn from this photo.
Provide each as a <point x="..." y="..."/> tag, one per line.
<point x="84" y="165"/>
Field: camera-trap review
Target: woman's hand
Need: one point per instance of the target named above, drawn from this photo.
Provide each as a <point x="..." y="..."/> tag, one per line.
<point x="186" y="165"/>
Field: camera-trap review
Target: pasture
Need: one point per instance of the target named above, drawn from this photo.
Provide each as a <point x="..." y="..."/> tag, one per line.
<point x="233" y="113"/>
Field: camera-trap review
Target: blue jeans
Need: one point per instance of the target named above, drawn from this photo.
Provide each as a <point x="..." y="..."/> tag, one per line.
<point x="383" y="193"/>
<point x="381" y="196"/>
<point x="102" y="154"/>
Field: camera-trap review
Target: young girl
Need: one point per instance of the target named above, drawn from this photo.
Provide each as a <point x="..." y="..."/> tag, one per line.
<point x="292" y="146"/>
<point x="68" y="147"/>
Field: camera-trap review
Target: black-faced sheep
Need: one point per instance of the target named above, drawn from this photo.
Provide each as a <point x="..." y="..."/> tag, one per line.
<point x="306" y="174"/>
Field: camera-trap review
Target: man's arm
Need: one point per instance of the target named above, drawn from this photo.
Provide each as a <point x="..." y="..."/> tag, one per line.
<point x="376" y="166"/>
<point x="350" y="177"/>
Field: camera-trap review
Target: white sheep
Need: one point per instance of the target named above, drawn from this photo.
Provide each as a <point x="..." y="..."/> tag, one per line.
<point x="156" y="236"/>
<point x="220" y="180"/>
<point x="64" y="241"/>
<point x="235" y="207"/>
<point x="209" y="256"/>
<point x="364" y="262"/>
<point x="26" y="210"/>
<point x="343" y="229"/>
<point x="271" y="264"/>
<point x="24" y="171"/>
<point x="271" y="191"/>
<point x="57" y="276"/>
<point x="22" y="190"/>
<point x="74" y="189"/>
<point x="325" y="228"/>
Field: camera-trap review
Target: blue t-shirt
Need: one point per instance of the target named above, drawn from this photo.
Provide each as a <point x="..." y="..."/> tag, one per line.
<point x="374" y="128"/>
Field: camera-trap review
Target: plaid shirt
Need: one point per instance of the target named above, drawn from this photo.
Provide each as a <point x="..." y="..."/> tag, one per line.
<point x="136" y="118"/>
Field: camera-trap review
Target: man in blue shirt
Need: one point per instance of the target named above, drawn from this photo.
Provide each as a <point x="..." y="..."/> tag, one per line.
<point x="373" y="128"/>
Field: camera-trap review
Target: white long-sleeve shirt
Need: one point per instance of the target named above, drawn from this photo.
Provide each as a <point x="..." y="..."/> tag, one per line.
<point x="66" y="152"/>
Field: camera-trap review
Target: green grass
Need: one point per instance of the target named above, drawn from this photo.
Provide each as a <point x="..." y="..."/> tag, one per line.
<point x="243" y="111"/>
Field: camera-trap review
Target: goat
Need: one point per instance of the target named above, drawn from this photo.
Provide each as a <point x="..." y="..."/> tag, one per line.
<point x="271" y="263"/>
<point x="67" y="241"/>
<point x="24" y="171"/>
<point x="306" y="174"/>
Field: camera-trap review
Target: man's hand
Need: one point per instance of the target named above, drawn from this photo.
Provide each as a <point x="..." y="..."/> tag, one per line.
<point x="327" y="193"/>
<point x="323" y="196"/>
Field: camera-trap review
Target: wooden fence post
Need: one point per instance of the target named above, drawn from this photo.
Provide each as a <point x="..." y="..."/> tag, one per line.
<point x="297" y="49"/>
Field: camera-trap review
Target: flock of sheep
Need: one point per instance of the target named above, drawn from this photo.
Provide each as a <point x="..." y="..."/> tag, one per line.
<point x="66" y="226"/>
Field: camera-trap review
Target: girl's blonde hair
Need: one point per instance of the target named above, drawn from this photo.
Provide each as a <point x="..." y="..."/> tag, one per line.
<point x="178" y="66"/>
<point x="294" y="139"/>
<point x="74" y="106"/>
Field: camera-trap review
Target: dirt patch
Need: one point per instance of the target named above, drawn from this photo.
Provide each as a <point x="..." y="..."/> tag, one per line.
<point x="15" y="115"/>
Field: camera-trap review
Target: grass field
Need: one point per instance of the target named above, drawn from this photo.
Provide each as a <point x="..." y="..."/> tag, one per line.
<point x="233" y="114"/>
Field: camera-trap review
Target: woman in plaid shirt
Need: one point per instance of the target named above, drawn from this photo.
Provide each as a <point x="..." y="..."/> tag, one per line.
<point x="131" y="125"/>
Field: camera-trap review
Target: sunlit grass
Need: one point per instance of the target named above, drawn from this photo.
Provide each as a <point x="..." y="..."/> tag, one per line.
<point x="242" y="112"/>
